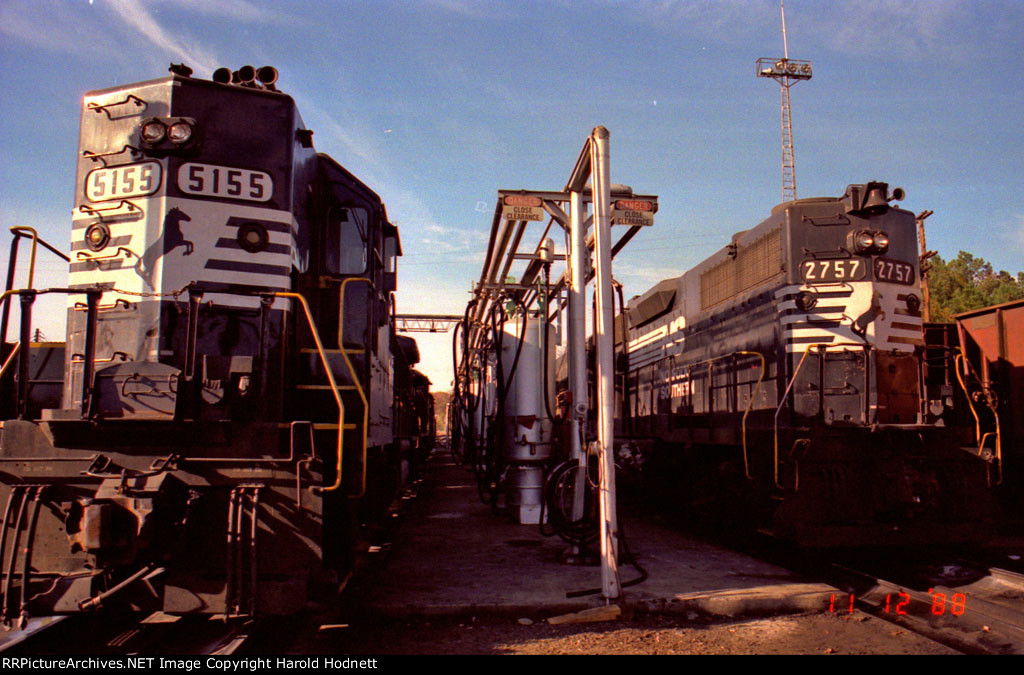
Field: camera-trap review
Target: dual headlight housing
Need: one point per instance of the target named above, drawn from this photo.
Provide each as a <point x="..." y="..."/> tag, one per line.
<point x="167" y="132"/>
<point x="868" y="242"/>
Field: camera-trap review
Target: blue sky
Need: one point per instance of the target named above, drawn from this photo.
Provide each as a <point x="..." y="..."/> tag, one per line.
<point x="436" y="104"/>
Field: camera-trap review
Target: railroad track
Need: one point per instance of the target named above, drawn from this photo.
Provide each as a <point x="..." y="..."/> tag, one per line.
<point x="970" y="605"/>
<point x="985" y="616"/>
<point x="120" y="635"/>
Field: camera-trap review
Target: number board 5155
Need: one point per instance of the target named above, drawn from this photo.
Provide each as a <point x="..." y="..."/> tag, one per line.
<point x="825" y="271"/>
<point x="209" y="180"/>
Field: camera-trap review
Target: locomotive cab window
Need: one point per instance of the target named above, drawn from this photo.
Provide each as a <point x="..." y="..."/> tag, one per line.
<point x="390" y="260"/>
<point x="347" y="237"/>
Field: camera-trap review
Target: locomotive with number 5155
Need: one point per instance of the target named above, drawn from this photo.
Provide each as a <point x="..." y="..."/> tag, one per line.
<point x="225" y="422"/>
<point x="788" y="381"/>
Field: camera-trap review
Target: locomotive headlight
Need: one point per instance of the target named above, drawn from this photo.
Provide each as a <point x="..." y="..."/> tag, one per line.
<point x="153" y="131"/>
<point x="97" y="237"/>
<point x="180" y="132"/>
<point x="863" y="241"/>
<point x="881" y="242"/>
<point x="253" y="237"/>
<point x="805" y="301"/>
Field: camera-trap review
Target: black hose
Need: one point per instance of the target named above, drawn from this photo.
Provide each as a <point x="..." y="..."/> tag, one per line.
<point x="626" y="556"/>
<point x="557" y="484"/>
<point x="585" y="530"/>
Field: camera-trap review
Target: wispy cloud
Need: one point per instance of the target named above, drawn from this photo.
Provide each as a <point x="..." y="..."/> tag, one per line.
<point x="100" y="28"/>
<point x="242" y="11"/>
<point x="137" y="16"/>
<point x="915" y="29"/>
<point x="475" y="9"/>
<point x="48" y="26"/>
<point x="863" y="27"/>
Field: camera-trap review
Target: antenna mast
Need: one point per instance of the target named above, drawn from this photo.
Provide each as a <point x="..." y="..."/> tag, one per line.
<point x="786" y="72"/>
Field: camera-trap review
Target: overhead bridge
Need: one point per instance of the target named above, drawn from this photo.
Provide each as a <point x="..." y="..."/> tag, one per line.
<point x="426" y="323"/>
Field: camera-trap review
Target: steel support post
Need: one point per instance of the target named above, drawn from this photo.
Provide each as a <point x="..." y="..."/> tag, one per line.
<point x="577" y="344"/>
<point x="604" y="339"/>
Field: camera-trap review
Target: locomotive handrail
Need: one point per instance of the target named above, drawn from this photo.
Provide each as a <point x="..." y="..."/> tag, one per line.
<point x="962" y="360"/>
<point x="750" y="403"/>
<point x="820" y="346"/>
<point x="17" y="345"/>
<point x="19" y="232"/>
<point x="355" y="381"/>
<point x="10" y="358"/>
<point x="330" y="378"/>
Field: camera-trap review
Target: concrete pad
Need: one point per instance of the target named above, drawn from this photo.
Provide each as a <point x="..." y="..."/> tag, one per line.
<point x="456" y="556"/>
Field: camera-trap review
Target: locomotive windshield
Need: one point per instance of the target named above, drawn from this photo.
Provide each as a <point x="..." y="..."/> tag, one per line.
<point x="346" y="240"/>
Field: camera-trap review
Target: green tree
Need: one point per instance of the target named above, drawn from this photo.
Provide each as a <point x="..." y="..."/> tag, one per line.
<point x="967" y="283"/>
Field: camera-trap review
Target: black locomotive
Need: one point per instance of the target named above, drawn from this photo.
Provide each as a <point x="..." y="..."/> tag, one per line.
<point x="789" y="382"/>
<point x="233" y="405"/>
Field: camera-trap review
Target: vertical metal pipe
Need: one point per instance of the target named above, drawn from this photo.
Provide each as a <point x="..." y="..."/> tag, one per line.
<point x="14" y="556"/>
<point x="92" y="297"/>
<point x="15" y="491"/>
<point x="577" y="344"/>
<point x="26" y="568"/>
<point x="254" y="518"/>
<point x="577" y="336"/>
<point x="263" y="356"/>
<point x="12" y="261"/>
<point x="27" y="298"/>
<point x="604" y="340"/>
<point x="239" y="571"/>
<point x="229" y="555"/>
<point x="195" y="296"/>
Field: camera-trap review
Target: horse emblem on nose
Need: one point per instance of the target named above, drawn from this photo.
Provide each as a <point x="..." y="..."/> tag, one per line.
<point x="173" y="236"/>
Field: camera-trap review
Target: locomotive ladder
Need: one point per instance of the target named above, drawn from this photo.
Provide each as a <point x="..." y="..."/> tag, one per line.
<point x="336" y="389"/>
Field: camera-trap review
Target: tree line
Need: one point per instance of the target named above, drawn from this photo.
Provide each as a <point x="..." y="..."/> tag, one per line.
<point x="967" y="282"/>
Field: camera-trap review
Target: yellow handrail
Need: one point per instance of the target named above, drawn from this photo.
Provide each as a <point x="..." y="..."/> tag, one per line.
<point x="750" y="405"/>
<point x="821" y="347"/>
<point x="32" y="258"/>
<point x="330" y="378"/>
<point x="17" y="345"/>
<point x="10" y="358"/>
<point x="352" y="372"/>
<point x="961" y="360"/>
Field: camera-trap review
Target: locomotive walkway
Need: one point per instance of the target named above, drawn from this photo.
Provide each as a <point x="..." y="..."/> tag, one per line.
<point x="455" y="556"/>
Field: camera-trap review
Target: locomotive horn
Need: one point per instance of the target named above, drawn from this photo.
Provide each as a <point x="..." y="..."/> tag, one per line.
<point x="268" y="76"/>
<point x="222" y="75"/>
<point x="246" y="76"/>
<point x="897" y="195"/>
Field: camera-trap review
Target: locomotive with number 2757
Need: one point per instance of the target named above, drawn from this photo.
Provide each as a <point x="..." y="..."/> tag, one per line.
<point x="225" y="425"/>
<point x="789" y="382"/>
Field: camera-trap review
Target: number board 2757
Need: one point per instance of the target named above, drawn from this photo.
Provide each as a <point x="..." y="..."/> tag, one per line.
<point x="832" y="270"/>
<point x="894" y="271"/>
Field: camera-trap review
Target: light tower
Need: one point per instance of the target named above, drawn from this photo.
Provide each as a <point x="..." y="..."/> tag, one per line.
<point x="786" y="72"/>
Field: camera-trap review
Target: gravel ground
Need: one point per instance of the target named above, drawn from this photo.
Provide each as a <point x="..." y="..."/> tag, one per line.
<point x="855" y="633"/>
